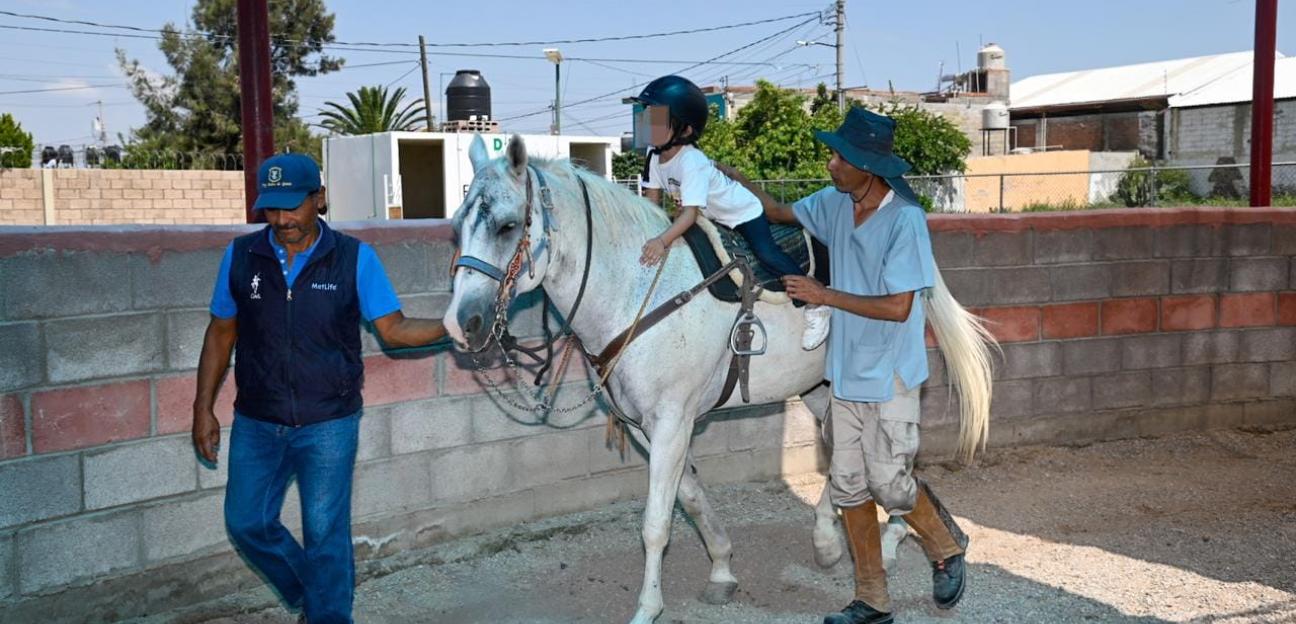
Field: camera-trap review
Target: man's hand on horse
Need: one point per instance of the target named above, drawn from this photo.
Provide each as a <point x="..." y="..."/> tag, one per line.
<point x="806" y="289"/>
<point x="653" y="251"/>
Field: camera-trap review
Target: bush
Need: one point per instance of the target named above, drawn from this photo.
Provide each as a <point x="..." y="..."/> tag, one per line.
<point x="1140" y="186"/>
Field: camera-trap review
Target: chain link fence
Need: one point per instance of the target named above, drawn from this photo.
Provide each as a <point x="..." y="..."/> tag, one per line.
<point x="116" y="157"/>
<point x="1186" y="185"/>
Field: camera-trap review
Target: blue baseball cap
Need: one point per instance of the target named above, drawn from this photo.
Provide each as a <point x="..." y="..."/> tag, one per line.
<point x="284" y="181"/>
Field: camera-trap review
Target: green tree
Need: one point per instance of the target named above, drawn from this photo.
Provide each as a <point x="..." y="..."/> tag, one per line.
<point x="195" y="110"/>
<point x="16" y="145"/>
<point x="627" y="165"/>
<point x="931" y="143"/>
<point x="773" y="138"/>
<point x="372" y="109"/>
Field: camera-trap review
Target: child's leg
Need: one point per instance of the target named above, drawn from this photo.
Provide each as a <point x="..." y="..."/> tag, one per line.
<point x="758" y="235"/>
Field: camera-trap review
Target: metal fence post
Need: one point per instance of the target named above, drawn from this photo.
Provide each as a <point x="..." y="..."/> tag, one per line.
<point x="1001" y="193"/>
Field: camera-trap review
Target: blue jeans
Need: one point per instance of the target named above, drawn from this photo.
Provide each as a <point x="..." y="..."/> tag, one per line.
<point x="264" y="457"/>
<point x="758" y="235"/>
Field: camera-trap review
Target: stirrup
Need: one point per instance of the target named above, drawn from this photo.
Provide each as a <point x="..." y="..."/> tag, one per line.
<point x="745" y="321"/>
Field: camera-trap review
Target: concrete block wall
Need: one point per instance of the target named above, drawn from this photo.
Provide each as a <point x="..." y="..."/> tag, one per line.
<point x="1119" y="323"/>
<point x="1114" y="323"/>
<point x="120" y="196"/>
<point x="1202" y="135"/>
<point x="100" y="332"/>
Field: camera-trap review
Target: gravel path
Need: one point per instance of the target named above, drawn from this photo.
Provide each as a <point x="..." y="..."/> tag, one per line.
<point x="1189" y="528"/>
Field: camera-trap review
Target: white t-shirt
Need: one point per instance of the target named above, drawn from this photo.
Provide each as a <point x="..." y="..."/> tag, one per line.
<point x="693" y="180"/>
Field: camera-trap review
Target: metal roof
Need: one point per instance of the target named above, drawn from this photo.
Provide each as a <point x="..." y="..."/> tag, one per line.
<point x="1129" y="82"/>
<point x="1236" y="87"/>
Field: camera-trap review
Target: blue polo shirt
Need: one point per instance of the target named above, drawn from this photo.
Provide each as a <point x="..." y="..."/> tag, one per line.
<point x="888" y="254"/>
<point x="377" y="297"/>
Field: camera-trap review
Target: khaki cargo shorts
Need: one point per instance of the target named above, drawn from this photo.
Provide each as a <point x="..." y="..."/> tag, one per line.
<point x="873" y="447"/>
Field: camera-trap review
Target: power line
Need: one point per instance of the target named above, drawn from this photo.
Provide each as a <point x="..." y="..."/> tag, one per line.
<point x="344" y="47"/>
<point x="411" y="45"/>
<point x="706" y="62"/>
<point x="402" y="76"/>
<point x="102" y="86"/>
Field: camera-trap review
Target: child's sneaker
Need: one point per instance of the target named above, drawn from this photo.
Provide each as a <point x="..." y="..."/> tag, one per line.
<point x="817" y="321"/>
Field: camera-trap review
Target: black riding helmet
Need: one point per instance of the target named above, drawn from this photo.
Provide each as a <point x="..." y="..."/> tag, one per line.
<point x="688" y="107"/>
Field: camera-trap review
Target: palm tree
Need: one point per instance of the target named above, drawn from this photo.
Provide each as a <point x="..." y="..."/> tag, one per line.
<point x="372" y="110"/>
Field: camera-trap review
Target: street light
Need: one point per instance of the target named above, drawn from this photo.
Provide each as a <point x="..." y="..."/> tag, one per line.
<point x="841" y="95"/>
<point x="555" y="56"/>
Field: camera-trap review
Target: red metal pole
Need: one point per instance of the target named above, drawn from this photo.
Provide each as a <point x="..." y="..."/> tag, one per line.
<point x="257" y="99"/>
<point x="1262" y="102"/>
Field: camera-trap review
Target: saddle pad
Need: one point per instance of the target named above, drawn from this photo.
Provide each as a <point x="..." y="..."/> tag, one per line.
<point x="715" y="245"/>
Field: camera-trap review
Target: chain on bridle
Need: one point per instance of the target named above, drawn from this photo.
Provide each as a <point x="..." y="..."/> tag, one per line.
<point x="523" y="260"/>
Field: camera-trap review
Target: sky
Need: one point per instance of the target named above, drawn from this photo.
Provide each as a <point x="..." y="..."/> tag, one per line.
<point x="904" y="44"/>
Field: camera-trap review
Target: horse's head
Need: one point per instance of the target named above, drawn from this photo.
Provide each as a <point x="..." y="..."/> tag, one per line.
<point x="500" y="228"/>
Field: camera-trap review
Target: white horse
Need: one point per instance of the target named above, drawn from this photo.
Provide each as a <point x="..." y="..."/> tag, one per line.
<point x="673" y="373"/>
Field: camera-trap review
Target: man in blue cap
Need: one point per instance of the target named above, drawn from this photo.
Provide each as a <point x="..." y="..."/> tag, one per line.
<point x="881" y="260"/>
<point x="289" y="299"/>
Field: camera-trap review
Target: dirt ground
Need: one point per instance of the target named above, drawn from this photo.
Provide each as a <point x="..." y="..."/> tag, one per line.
<point x="1189" y="528"/>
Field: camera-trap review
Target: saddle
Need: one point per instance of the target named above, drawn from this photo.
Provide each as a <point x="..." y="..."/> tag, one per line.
<point x="715" y="245"/>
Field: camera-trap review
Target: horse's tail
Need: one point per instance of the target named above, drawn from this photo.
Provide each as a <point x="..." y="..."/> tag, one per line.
<point x="966" y="344"/>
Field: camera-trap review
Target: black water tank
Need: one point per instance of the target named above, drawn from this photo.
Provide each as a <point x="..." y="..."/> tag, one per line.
<point x="92" y="156"/>
<point x="49" y="154"/>
<point x="113" y="153"/>
<point x="65" y="155"/>
<point x="467" y="95"/>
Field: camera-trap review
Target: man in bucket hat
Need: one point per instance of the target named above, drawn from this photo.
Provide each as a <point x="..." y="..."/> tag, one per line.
<point x="881" y="260"/>
<point x="289" y="299"/>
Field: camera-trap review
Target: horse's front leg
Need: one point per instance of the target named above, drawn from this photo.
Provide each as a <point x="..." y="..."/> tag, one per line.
<point x="670" y="439"/>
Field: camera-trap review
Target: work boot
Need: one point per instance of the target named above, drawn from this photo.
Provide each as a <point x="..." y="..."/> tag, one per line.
<point x="872" y="605"/>
<point x="944" y="543"/>
<point x="857" y="612"/>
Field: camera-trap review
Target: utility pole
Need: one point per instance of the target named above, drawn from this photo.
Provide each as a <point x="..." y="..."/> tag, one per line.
<point x="1262" y="102"/>
<point x="555" y="56"/>
<point x="257" y="99"/>
<point x="840" y="27"/>
<point x="427" y="95"/>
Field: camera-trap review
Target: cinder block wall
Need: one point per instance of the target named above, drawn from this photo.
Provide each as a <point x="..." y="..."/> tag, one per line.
<point x="101" y="495"/>
<point x="1120" y="323"/>
<point x="120" y="196"/>
<point x="1115" y="324"/>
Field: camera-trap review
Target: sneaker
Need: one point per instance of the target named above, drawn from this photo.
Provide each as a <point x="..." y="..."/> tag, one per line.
<point x="817" y="321"/>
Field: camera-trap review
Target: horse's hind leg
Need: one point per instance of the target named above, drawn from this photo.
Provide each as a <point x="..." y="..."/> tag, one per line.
<point x="670" y="439"/>
<point x="722" y="583"/>
<point x="827" y="538"/>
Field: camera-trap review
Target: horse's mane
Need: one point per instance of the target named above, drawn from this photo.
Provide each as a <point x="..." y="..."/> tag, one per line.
<point x="618" y="212"/>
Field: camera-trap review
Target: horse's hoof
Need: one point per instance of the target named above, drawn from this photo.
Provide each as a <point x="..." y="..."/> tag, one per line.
<point x="719" y="593"/>
<point x="828" y="549"/>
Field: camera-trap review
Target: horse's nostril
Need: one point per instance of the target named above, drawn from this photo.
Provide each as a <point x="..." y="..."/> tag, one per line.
<point x="474" y="324"/>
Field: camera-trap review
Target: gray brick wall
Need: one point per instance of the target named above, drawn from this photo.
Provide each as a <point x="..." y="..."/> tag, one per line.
<point x="441" y="466"/>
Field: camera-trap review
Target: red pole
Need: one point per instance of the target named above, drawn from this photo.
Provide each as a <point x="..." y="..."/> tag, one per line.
<point x="1262" y="102"/>
<point x="257" y="99"/>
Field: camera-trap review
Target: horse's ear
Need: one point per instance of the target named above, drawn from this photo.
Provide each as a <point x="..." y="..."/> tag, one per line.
<point x="477" y="153"/>
<point x="517" y="156"/>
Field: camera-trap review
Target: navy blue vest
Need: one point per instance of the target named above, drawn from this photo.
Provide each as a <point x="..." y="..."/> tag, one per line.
<point x="297" y="360"/>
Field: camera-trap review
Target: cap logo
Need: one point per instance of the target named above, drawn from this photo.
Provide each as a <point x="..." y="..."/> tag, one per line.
<point x="274" y="176"/>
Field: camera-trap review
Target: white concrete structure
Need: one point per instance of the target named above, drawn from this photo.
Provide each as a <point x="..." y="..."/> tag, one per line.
<point x="424" y="175"/>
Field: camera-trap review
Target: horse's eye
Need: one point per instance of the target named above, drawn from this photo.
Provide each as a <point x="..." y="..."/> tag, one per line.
<point x="507" y="227"/>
